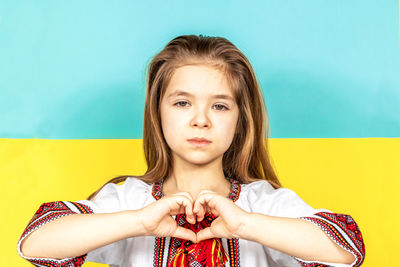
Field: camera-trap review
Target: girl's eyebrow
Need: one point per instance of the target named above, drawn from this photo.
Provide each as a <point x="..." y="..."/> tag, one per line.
<point x="183" y="93"/>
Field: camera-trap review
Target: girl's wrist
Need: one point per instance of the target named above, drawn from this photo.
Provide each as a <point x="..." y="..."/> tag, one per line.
<point x="250" y="229"/>
<point x="135" y="219"/>
<point x="245" y="229"/>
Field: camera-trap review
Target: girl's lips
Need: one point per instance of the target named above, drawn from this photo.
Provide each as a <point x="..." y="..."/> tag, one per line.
<point x="199" y="139"/>
<point x="200" y="143"/>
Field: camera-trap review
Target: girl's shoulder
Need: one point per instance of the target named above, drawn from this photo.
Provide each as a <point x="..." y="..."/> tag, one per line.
<point x="261" y="185"/>
<point x="133" y="188"/>
<point x="131" y="185"/>
<point x="258" y="189"/>
<point x="261" y="196"/>
<point x="133" y="193"/>
<point x="265" y="188"/>
<point x="135" y="183"/>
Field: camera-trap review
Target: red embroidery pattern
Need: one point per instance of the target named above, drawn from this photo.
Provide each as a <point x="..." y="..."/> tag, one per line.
<point x="199" y="254"/>
<point x="332" y="223"/>
<point x="234" y="252"/>
<point x="77" y="261"/>
<point x="159" y="251"/>
<point x="47" y="212"/>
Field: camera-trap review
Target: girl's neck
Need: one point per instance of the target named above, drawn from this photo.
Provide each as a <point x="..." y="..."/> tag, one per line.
<point x="194" y="182"/>
<point x="193" y="178"/>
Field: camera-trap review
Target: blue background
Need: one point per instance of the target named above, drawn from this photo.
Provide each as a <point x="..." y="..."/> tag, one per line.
<point x="76" y="69"/>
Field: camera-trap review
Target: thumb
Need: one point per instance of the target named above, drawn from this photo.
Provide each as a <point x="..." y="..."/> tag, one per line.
<point x="183" y="233"/>
<point x="204" y="234"/>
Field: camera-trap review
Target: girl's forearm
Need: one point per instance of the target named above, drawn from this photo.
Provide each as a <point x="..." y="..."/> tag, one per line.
<point x="295" y="237"/>
<point x="77" y="234"/>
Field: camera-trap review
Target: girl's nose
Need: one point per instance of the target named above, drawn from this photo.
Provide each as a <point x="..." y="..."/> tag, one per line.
<point x="200" y="119"/>
<point x="200" y="124"/>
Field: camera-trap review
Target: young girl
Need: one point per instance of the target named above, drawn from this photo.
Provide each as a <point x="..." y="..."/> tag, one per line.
<point x="209" y="197"/>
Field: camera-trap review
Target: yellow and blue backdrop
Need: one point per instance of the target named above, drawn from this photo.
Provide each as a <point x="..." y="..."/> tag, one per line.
<point x="72" y="87"/>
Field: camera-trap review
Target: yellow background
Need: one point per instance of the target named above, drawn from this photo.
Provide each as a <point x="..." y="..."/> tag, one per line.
<point x="356" y="176"/>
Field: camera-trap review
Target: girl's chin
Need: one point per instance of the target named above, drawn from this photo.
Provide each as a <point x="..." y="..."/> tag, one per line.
<point x="198" y="160"/>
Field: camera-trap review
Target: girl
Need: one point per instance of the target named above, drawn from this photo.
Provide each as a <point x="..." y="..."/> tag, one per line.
<point x="209" y="197"/>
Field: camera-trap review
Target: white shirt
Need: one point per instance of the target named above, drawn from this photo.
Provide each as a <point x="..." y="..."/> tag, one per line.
<point x="258" y="197"/>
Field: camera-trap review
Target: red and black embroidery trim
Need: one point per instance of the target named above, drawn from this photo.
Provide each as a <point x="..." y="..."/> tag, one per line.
<point x="342" y="229"/>
<point x="234" y="252"/>
<point x="47" y="212"/>
<point x="159" y="251"/>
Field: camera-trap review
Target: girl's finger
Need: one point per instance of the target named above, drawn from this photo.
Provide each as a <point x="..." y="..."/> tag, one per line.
<point x="176" y="212"/>
<point x="201" y="210"/>
<point x="189" y="196"/>
<point x="183" y="204"/>
<point x="206" y="192"/>
<point x="189" y="213"/>
<point x="183" y="233"/>
<point x="201" y="204"/>
<point x="215" y="212"/>
<point x="197" y="207"/>
<point x="204" y="234"/>
<point x="181" y="210"/>
<point x="177" y="204"/>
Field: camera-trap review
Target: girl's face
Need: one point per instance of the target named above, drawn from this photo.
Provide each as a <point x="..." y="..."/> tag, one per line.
<point x="198" y="103"/>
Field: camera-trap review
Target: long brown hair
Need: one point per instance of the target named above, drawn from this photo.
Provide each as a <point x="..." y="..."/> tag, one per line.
<point x="247" y="159"/>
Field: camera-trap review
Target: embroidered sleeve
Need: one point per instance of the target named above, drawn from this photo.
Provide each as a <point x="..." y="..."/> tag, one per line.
<point x="48" y="212"/>
<point x="342" y="229"/>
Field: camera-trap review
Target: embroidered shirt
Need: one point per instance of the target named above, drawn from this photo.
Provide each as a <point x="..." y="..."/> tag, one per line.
<point x="258" y="197"/>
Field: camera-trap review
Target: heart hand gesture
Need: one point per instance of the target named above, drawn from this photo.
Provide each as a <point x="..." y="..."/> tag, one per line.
<point x="229" y="222"/>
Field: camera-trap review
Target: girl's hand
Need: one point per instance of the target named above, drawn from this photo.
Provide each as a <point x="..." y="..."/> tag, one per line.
<point x="230" y="218"/>
<point x="157" y="219"/>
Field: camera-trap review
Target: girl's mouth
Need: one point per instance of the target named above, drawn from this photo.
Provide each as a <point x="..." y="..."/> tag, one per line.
<point x="199" y="142"/>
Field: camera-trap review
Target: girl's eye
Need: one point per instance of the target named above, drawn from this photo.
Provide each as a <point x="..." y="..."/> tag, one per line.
<point x="177" y="103"/>
<point x="185" y="102"/>
<point x="223" y="106"/>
